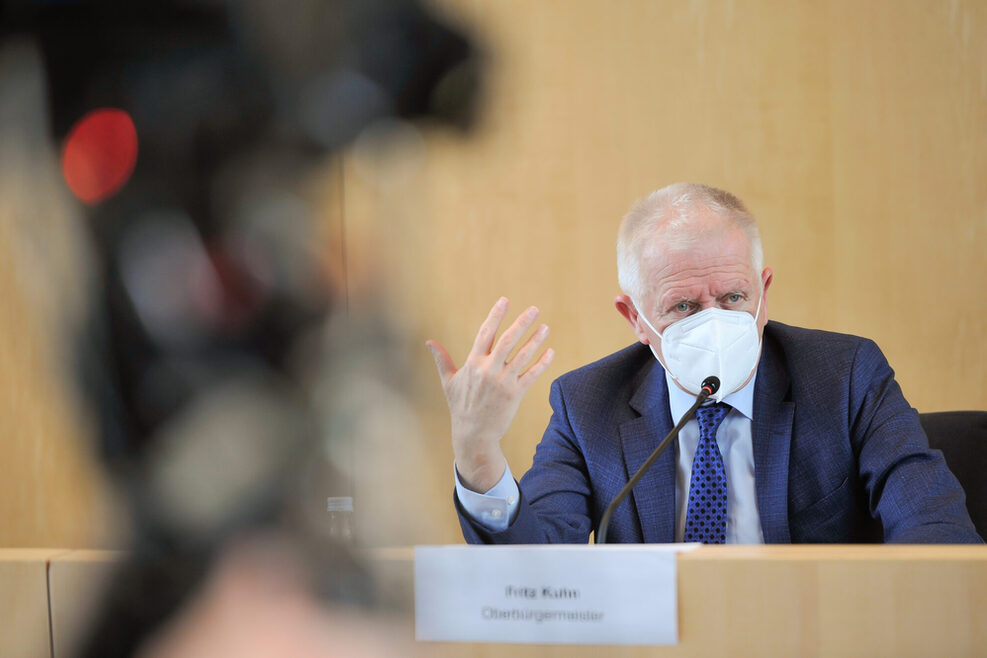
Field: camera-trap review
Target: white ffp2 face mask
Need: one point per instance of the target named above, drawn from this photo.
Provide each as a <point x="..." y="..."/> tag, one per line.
<point x="712" y="342"/>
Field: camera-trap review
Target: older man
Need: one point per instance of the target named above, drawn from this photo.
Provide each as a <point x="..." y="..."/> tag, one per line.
<point x="808" y="439"/>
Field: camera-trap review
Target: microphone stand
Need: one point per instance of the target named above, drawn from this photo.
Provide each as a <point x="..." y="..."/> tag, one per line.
<point x="709" y="386"/>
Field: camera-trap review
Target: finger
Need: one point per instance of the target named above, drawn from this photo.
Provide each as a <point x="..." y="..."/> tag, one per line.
<point x="512" y="335"/>
<point x="485" y="336"/>
<point x="443" y="362"/>
<point x="532" y="373"/>
<point x="525" y="354"/>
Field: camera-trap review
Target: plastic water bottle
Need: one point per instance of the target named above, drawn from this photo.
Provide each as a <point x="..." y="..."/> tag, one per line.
<point x="341" y="519"/>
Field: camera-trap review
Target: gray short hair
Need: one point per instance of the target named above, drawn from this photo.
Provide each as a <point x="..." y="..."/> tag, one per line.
<point x="673" y="206"/>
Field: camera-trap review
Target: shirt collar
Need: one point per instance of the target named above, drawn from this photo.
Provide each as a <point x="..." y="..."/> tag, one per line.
<point x="680" y="402"/>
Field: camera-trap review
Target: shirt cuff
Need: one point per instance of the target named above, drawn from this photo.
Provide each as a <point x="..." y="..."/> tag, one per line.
<point x="495" y="509"/>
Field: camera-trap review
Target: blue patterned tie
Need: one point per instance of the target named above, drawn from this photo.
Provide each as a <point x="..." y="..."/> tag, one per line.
<point x="706" y="520"/>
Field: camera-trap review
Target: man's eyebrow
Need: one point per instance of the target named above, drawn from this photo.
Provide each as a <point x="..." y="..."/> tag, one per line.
<point x="739" y="287"/>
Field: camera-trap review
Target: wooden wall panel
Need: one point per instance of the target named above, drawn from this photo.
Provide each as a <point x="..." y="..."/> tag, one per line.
<point x="856" y="134"/>
<point x="909" y="104"/>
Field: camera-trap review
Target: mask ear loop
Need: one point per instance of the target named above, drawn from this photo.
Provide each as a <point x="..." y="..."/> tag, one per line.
<point x="760" y="299"/>
<point x="658" y="333"/>
<point x="637" y="307"/>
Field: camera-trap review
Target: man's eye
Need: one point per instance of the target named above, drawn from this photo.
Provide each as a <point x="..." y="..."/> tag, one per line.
<point x="682" y="307"/>
<point x="734" y="298"/>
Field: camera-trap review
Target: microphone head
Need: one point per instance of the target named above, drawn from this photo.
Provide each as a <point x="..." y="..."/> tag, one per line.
<point x="710" y="385"/>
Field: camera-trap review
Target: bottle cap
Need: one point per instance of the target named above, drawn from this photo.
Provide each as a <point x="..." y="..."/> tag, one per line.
<point x="340" y="504"/>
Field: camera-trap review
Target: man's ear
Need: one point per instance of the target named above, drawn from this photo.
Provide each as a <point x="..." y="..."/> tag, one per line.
<point x="766" y="276"/>
<point x="627" y="309"/>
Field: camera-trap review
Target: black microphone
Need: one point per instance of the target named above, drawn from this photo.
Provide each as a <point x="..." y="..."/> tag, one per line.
<point x="709" y="386"/>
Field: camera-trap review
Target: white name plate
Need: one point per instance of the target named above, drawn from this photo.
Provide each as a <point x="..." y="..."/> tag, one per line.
<point x="614" y="594"/>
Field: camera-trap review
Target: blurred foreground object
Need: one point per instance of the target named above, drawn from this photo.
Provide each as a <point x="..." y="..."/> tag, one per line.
<point x="189" y="129"/>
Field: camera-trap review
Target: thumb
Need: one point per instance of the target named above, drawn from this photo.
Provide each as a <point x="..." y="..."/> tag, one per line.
<point x="443" y="362"/>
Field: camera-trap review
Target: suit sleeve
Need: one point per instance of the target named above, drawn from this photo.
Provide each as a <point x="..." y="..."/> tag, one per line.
<point x="909" y="488"/>
<point x="554" y="494"/>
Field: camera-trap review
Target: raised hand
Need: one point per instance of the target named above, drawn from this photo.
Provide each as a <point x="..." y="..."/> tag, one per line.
<point x="484" y="394"/>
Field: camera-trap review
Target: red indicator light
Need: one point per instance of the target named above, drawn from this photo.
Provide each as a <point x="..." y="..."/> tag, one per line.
<point x="100" y="154"/>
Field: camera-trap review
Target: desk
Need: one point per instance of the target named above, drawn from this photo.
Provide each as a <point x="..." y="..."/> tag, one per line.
<point x="75" y="581"/>
<point x="24" y="631"/>
<point x="857" y="600"/>
<point x="770" y="600"/>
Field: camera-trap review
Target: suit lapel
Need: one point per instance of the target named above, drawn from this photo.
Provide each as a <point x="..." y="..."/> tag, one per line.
<point x="772" y="437"/>
<point x="654" y="495"/>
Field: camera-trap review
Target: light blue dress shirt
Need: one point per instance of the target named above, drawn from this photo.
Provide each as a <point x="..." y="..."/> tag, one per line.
<point x="496" y="508"/>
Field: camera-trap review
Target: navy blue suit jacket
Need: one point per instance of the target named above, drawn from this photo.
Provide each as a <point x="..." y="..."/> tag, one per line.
<point x="839" y="455"/>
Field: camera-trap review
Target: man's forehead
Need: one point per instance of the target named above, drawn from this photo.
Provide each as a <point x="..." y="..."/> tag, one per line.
<point x="715" y="285"/>
<point x="721" y="244"/>
<point x="716" y="264"/>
